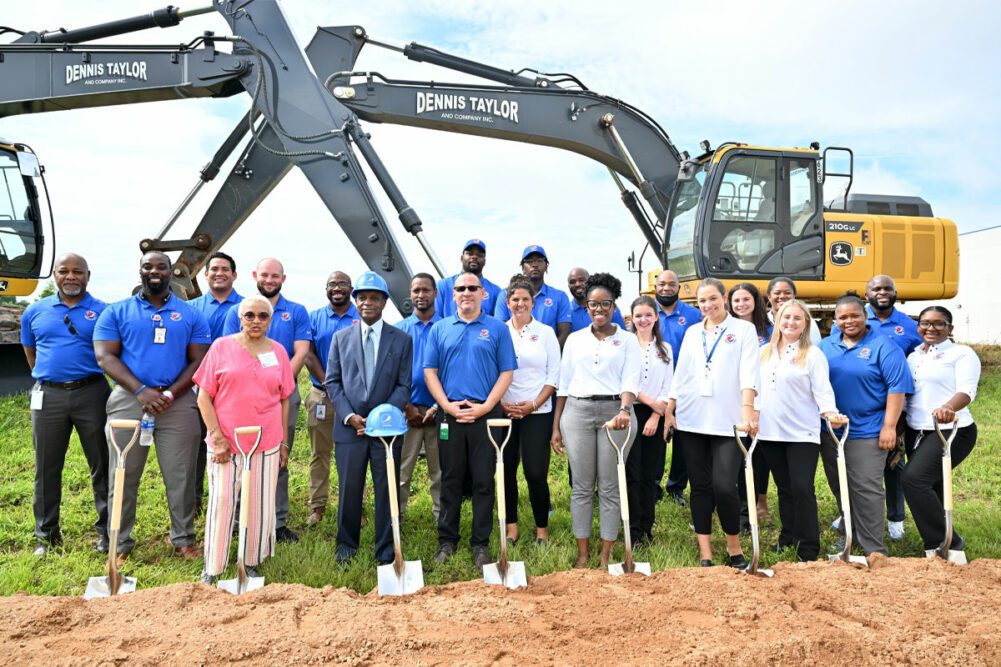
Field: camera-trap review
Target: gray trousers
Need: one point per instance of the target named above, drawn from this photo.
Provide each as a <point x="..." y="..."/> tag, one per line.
<point x="413" y="439"/>
<point x="864" y="460"/>
<point x="281" y="491"/>
<point x="176" y="442"/>
<point x="593" y="460"/>
<point x="51" y="427"/>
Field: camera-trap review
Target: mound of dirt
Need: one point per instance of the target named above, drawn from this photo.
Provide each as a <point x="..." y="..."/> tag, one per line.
<point x="899" y="611"/>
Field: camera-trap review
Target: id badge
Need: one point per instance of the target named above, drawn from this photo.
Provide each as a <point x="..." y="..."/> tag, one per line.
<point x="443" y="431"/>
<point x="321" y="412"/>
<point x="159" y="335"/>
<point x="36" y="398"/>
<point x="268" y="359"/>
<point x="706" y="385"/>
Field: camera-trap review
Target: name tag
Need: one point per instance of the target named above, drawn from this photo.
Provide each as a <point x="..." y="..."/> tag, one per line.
<point x="36" y="398"/>
<point x="321" y="412"/>
<point x="159" y="335"/>
<point x="706" y="385"/>
<point x="268" y="359"/>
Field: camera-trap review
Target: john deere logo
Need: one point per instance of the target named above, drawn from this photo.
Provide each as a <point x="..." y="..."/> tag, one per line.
<point x="3" y="285"/>
<point x="841" y="253"/>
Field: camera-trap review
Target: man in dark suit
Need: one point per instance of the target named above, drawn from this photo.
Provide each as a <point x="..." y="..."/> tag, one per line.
<point x="369" y="364"/>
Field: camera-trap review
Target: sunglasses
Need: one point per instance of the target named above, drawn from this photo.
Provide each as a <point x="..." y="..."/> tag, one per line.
<point x="343" y="284"/>
<point x="251" y="316"/>
<point x="467" y="288"/>
<point x="69" y="323"/>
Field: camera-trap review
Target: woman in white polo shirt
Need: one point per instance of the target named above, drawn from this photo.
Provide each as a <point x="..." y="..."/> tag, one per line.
<point x="599" y="379"/>
<point x="796" y="394"/>
<point x="527" y="404"/>
<point x="714" y="387"/>
<point x="945" y="383"/>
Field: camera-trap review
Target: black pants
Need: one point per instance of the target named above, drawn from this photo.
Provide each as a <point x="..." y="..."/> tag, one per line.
<point x="677" y="476"/>
<point x="794" y="466"/>
<point x="922" y="479"/>
<point x="713" y="465"/>
<point x="200" y="464"/>
<point x="893" y="481"/>
<point x="51" y="427"/>
<point x="644" y="468"/>
<point x="467" y="445"/>
<point x="530" y="445"/>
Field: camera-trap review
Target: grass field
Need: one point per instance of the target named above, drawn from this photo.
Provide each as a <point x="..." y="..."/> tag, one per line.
<point x="65" y="571"/>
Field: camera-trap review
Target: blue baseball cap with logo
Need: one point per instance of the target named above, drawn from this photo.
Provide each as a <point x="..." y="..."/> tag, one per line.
<point x="533" y="250"/>
<point x="370" y="281"/>
<point x="384" y="421"/>
<point x="475" y="242"/>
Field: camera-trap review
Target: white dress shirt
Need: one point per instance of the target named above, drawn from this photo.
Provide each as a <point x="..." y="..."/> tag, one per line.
<point x="657" y="371"/>
<point x="538" y="354"/>
<point x="593" y="367"/>
<point x="939" y="373"/>
<point x="734" y="367"/>
<point x="376" y="338"/>
<point x="793" y="396"/>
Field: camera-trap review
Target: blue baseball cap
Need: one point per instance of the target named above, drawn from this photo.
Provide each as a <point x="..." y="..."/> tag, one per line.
<point x="476" y="242"/>
<point x="370" y="281"/>
<point x="533" y="249"/>
<point x="385" y="420"/>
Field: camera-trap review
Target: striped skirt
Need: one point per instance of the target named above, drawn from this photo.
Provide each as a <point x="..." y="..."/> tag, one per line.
<point x="224" y="493"/>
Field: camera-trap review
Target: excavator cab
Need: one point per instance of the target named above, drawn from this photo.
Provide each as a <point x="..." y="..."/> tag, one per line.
<point x="24" y="216"/>
<point x="746" y="213"/>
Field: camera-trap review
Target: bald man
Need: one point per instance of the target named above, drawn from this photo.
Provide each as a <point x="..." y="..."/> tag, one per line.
<point x="70" y="392"/>
<point x="290" y="327"/>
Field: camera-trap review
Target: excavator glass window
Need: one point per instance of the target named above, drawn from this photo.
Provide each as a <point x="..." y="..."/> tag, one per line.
<point x="684" y="209"/>
<point x="747" y="195"/>
<point x="18" y="248"/>
<point x="802" y="204"/>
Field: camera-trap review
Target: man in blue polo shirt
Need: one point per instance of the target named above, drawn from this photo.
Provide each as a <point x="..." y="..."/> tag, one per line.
<point x="214" y="305"/>
<point x="289" y="327"/>
<point x="473" y="259"/>
<point x="70" y="392"/>
<point x="151" y="344"/>
<point x="552" y="306"/>
<point x="421" y="410"/>
<point x="469" y="363"/>
<point x="579" y="317"/>
<point x="675" y="317"/>
<point x="339" y="313"/>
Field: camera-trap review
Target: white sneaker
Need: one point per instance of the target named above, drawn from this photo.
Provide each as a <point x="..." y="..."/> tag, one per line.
<point x="896" y="530"/>
<point x="837" y="524"/>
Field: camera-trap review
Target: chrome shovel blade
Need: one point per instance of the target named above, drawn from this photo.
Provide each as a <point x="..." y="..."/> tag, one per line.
<point x="233" y="585"/>
<point x="618" y="569"/>
<point x="409" y="581"/>
<point x="100" y="587"/>
<point x="515" y="574"/>
<point x="851" y="559"/>
<point x="759" y="571"/>
<point x="957" y="557"/>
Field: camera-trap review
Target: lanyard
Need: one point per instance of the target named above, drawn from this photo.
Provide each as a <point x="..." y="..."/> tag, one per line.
<point x="705" y="350"/>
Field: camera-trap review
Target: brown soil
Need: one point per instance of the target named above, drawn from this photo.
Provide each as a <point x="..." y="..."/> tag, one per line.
<point x="898" y="612"/>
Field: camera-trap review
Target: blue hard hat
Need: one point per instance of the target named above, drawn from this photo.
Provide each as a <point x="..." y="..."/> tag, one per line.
<point x="475" y="242"/>
<point x="533" y="249"/>
<point x="385" y="420"/>
<point x="370" y="281"/>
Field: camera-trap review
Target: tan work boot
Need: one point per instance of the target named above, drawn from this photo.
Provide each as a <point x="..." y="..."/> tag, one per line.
<point x="314" y="516"/>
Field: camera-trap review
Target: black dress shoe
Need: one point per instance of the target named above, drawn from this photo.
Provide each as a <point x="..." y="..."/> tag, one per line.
<point x="481" y="557"/>
<point x="283" y="534"/>
<point x="444" y="553"/>
<point x="738" y="562"/>
<point x="102" y="544"/>
<point x="344" y="557"/>
<point x="385" y="562"/>
<point x="706" y="562"/>
<point x="251" y="572"/>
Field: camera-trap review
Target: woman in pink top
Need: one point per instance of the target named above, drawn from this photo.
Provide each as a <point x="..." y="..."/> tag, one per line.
<point x="244" y="380"/>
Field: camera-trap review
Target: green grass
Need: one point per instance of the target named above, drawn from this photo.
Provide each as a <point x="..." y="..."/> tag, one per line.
<point x="311" y="562"/>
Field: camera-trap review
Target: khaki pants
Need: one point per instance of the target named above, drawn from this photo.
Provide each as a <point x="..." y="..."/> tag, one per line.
<point x="413" y="439"/>
<point x="321" y="439"/>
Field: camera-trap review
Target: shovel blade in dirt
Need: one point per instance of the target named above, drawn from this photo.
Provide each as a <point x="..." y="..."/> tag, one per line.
<point x="100" y="587"/>
<point x="512" y="576"/>
<point x="618" y="569"/>
<point x="860" y="560"/>
<point x="957" y="557"/>
<point x="233" y="585"/>
<point x="410" y="580"/>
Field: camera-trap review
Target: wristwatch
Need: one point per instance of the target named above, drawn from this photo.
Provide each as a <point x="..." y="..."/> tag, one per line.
<point x="623" y="408"/>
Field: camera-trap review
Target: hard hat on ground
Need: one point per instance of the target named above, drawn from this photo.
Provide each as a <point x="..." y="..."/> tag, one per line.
<point x="385" y="420"/>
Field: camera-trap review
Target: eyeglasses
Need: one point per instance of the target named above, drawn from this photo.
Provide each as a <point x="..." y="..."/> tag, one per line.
<point x="467" y="288"/>
<point x="69" y="323"/>
<point x="251" y="316"/>
<point x="343" y="284"/>
<point x="940" y="325"/>
<point x="605" y="305"/>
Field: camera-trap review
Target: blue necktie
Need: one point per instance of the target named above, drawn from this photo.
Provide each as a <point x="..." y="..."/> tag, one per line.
<point x="369" y="358"/>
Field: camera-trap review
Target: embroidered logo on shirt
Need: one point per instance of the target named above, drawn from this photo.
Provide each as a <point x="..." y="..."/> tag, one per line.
<point x="484" y="334"/>
<point x="864" y="353"/>
<point x="730" y="338"/>
<point x="681" y="320"/>
<point x="354" y="321"/>
<point x="90" y="315"/>
<point x="175" y="317"/>
<point x="533" y="338"/>
<point x="761" y="339"/>
<point x="286" y="317"/>
<point x="899" y="331"/>
<point x="549" y="302"/>
<point x="616" y="343"/>
<point x="156" y="317"/>
<point x="940" y="355"/>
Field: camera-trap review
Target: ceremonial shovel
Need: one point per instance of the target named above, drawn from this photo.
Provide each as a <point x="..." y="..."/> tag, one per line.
<point x="752" y="516"/>
<point x="115" y="583"/>
<point x="629" y="566"/>
<point x="846" y="506"/>
<point x="956" y="556"/>
<point x="399" y="577"/>
<point x="243" y="583"/>
<point x="510" y="574"/>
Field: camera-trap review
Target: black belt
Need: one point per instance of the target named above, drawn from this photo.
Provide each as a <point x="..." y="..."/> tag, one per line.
<point x="465" y="400"/>
<point x="319" y="386"/>
<point x="74" y="384"/>
<point x="598" y="397"/>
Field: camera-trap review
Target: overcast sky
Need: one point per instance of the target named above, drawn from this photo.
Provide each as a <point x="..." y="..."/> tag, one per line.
<point x="910" y="86"/>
